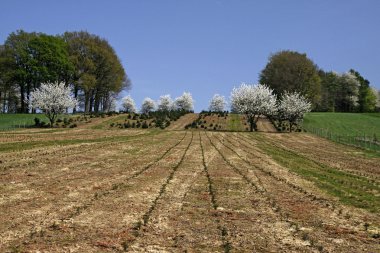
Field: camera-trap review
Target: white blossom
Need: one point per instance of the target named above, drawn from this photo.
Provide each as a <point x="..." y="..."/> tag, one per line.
<point x="292" y="108"/>
<point x="128" y="104"/>
<point x="353" y="84"/>
<point x="217" y="103"/>
<point x="148" y="106"/>
<point x="113" y="104"/>
<point x="184" y="102"/>
<point x="165" y="103"/>
<point x="377" y="94"/>
<point x="53" y="99"/>
<point x="253" y="100"/>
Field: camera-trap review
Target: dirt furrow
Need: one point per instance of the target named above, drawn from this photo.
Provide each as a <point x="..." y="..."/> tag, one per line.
<point x="335" y="155"/>
<point x="253" y="219"/>
<point x="309" y="214"/>
<point x="84" y="201"/>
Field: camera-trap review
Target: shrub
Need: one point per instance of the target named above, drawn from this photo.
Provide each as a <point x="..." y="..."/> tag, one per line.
<point x="37" y="121"/>
<point x="73" y="125"/>
<point x="145" y="125"/>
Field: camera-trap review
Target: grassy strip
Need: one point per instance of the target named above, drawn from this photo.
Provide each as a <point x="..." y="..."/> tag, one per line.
<point x="348" y="179"/>
<point x="226" y="244"/>
<point x="345" y="123"/>
<point x="234" y="123"/>
<point x="264" y="193"/>
<point x="349" y="189"/>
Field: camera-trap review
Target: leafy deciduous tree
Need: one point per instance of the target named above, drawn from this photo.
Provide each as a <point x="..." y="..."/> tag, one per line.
<point x="292" y="108"/>
<point x="184" y="102"/>
<point x="128" y="104"/>
<point x="165" y="103"/>
<point x="291" y="71"/>
<point x="53" y="99"/>
<point x="253" y="101"/>
<point x="148" y="106"/>
<point x="217" y="103"/>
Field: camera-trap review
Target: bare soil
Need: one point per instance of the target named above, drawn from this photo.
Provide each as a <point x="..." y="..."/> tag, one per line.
<point x="174" y="191"/>
<point x="183" y="121"/>
<point x="264" y="125"/>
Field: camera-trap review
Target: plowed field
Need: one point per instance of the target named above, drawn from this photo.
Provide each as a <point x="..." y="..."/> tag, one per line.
<point x="88" y="190"/>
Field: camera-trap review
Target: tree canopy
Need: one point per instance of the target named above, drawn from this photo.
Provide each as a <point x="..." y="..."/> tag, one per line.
<point x="83" y="61"/>
<point x="292" y="71"/>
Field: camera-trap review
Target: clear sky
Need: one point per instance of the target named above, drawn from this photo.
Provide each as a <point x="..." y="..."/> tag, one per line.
<point x="210" y="46"/>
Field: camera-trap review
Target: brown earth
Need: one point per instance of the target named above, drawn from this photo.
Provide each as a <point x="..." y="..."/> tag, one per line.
<point x="264" y="125"/>
<point x="174" y="191"/>
<point x="183" y="121"/>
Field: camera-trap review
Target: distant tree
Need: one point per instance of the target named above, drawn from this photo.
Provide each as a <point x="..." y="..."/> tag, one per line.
<point x="330" y="85"/>
<point x="99" y="74"/>
<point x="293" y="72"/>
<point x="165" y="103"/>
<point x="217" y="103"/>
<point x="366" y="98"/>
<point x="128" y="104"/>
<point x="340" y="92"/>
<point x="9" y="95"/>
<point x="377" y="94"/>
<point x="53" y="99"/>
<point x="184" y="102"/>
<point x="36" y="58"/>
<point x="292" y="108"/>
<point x="348" y="93"/>
<point x="253" y="101"/>
<point x="148" y="106"/>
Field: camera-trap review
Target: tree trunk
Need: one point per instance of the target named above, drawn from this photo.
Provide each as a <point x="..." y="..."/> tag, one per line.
<point x="91" y="101"/>
<point x="22" y="96"/>
<point x="251" y="122"/>
<point x="76" y="97"/>
<point x="87" y="103"/>
<point x="97" y="101"/>
<point x="5" y="102"/>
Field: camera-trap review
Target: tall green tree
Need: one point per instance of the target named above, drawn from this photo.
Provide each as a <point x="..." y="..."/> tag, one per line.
<point x="99" y="74"/>
<point x="8" y="91"/>
<point x="329" y="88"/>
<point x="293" y="72"/>
<point x="366" y="97"/>
<point x="339" y="92"/>
<point x="36" y="58"/>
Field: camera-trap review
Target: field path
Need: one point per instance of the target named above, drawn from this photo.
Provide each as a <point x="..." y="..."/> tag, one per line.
<point x="183" y="121"/>
<point x="264" y="125"/>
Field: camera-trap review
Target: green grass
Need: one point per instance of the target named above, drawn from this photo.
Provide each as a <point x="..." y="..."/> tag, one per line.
<point x="234" y="123"/>
<point x="344" y="123"/>
<point x="14" y="121"/>
<point x="349" y="188"/>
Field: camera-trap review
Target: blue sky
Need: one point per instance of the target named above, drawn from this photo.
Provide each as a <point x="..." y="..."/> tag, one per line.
<point x="210" y="46"/>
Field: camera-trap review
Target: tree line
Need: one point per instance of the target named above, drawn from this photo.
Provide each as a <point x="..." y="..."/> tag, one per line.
<point x="327" y="90"/>
<point x="82" y="61"/>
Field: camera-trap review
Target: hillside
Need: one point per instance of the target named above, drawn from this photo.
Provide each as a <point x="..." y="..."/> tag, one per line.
<point x="344" y="123"/>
